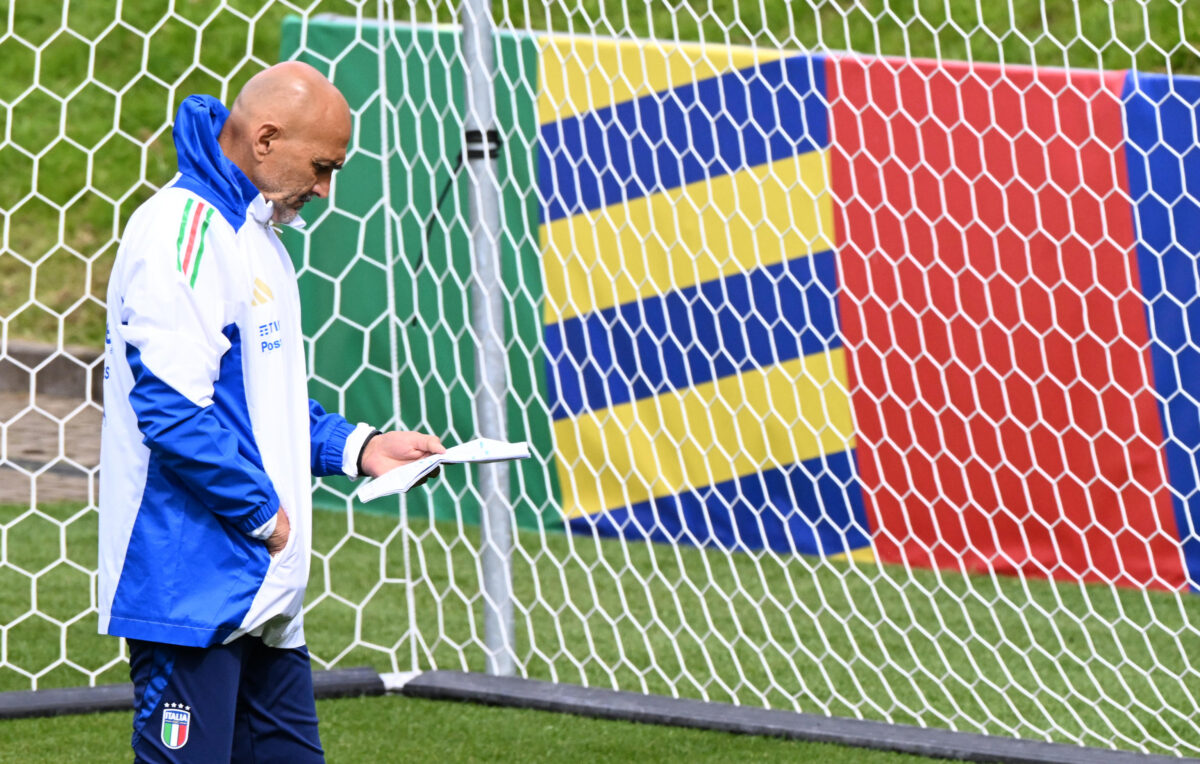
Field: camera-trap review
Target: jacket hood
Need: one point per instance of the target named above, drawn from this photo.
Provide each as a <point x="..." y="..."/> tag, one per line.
<point x="203" y="167"/>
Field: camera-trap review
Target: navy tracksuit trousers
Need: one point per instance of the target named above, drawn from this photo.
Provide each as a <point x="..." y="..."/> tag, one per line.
<point x="240" y="702"/>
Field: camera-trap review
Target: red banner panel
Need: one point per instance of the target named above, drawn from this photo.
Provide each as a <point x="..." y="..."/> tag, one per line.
<point x="999" y="364"/>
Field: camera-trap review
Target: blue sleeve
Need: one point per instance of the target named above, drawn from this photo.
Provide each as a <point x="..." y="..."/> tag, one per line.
<point x="198" y="448"/>
<point x="328" y="433"/>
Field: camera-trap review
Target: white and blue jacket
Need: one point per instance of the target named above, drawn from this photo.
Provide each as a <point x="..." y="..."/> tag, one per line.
<point x="208" y="428"/>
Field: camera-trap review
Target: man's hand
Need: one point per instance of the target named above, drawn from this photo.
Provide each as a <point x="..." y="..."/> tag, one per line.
<point x="277" y="540"/>
<point x="395" y="449"/>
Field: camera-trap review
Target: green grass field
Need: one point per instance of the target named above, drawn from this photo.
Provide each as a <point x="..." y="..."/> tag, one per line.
<point x="1041" y="660"/>
<point x="394" y="729"/>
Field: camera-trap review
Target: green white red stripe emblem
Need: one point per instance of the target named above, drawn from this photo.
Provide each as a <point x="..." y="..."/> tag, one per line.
<point x="189" y="247"/>
<point x="176" y="719"/>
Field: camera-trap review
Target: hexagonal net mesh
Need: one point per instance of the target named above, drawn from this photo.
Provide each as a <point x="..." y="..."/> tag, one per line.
<point x="852" y="345"/>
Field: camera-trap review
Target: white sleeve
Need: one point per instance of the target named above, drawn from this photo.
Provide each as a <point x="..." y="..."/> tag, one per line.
<point x="350" y="451"/>
<point x="264" y="531"/>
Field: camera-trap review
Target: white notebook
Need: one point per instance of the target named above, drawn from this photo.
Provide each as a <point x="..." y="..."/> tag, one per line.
<point x="401" y="479"/>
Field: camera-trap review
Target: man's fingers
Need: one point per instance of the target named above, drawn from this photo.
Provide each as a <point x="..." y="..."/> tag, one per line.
<point x="283" y="529"/>
<point x="398" y="447"/>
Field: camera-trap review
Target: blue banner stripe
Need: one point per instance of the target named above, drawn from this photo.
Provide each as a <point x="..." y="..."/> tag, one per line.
<point x="1161" y="117"/>
<point x="693" y="335"/>
<point x="678" y="136"/>
<point x="814" y="507"/>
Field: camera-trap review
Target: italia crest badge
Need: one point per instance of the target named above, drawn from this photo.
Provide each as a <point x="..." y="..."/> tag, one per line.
<point x="176" y="720"/>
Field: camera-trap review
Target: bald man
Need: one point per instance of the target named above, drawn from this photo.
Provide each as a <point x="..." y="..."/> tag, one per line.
<point x="210" y="441"/>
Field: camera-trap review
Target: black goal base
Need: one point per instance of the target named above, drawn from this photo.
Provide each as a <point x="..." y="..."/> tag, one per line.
<point x="627" y="706"/>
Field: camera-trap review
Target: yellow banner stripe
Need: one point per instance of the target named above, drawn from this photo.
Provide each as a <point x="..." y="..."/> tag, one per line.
<point x="581" y="74"/>
<point x="704" y="435"/>
<point x="864" y="555"/>
<point x="688" y="235"/>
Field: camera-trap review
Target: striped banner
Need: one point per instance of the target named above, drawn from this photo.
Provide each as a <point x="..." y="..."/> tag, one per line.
<point x="924" y="312"/>
<point x="930" y="313"/>
<point x="695" y="370"/>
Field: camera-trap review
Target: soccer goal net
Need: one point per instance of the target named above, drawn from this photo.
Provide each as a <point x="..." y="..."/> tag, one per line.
<point x="852" y="343"/>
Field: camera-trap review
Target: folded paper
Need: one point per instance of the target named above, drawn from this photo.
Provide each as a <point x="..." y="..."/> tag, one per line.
<point x="479" y="450"/>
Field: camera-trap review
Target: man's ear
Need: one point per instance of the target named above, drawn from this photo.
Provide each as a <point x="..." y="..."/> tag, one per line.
<point x="266" y="134"/>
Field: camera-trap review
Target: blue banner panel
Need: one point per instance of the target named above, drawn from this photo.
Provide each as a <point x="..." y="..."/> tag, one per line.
<point x="1163" y="158"/>
<point x="814" y="507"/>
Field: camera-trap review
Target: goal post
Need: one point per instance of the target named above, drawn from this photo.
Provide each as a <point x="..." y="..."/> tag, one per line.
<point x="415" y="139"/>
<point x="853" y="344"/>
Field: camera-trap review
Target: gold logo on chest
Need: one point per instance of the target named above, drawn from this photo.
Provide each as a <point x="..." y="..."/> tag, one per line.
<point x="262" y="293"/>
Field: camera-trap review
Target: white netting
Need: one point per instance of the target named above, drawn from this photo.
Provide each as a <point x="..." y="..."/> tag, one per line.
<point x="856" y="384"/>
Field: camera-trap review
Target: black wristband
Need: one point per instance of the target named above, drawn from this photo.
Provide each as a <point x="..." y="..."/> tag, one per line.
<point x="362" y="451"/>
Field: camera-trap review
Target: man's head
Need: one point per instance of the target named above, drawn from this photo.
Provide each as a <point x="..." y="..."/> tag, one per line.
<point x="288" y="130"/>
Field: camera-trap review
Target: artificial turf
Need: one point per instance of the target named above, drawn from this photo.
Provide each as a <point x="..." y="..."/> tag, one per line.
<point x="1035" y="659"/>
<point x="387" y="729"/>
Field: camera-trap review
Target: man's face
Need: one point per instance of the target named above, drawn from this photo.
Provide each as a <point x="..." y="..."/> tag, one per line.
<point x="301" y="165"/>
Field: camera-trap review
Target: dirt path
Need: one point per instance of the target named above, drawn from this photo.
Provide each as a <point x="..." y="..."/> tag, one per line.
<point x="49" y="449"/>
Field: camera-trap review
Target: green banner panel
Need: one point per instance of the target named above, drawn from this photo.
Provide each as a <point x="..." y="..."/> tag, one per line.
<point x="407" y="139"/>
